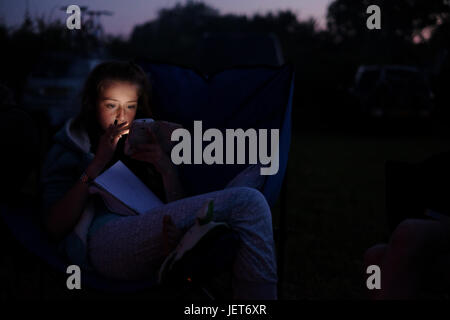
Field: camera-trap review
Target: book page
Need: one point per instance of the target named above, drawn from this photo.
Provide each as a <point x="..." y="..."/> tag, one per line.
<point x="111" y="202"/>
<point x="120" y="182"/>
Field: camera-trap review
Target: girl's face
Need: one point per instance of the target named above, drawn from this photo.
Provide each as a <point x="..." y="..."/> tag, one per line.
<point x="118" y="100"/>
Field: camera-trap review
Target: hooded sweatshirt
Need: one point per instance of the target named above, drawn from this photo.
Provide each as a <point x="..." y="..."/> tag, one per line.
<point x="67" y="159"/>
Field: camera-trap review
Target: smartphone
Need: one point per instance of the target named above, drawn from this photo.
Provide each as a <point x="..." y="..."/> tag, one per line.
<point x="138" y="131"/>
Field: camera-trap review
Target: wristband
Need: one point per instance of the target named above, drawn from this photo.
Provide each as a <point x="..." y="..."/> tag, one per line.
<point x="85" y="179"/>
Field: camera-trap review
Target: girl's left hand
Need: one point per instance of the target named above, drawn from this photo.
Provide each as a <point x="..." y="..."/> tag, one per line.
<point x="154" y="154"/>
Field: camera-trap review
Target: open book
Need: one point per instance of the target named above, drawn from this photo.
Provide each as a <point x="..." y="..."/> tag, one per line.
<point x="123" y="192"/>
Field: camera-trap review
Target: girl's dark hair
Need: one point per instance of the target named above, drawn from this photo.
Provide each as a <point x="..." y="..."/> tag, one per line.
<point x="125" y="71"/>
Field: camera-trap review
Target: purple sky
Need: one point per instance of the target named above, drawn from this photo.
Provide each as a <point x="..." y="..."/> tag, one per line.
<point x="131" y="12"/>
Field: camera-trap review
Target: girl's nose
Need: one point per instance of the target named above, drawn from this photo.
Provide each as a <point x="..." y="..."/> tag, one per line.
<point x="120" y="116"/>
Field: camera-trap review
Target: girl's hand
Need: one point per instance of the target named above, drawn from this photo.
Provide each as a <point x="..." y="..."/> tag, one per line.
<point x="108" y="142"/>
<point x="153" y="153"/>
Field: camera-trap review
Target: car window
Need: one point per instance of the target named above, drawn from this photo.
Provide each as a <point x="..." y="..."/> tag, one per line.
<point x="409" y="80"/>
<point x="401" y="74"/>
<point x="368" y="79"/>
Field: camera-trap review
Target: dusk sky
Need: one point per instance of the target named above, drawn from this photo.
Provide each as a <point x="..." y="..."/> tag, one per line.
<point x="129" y="13"/>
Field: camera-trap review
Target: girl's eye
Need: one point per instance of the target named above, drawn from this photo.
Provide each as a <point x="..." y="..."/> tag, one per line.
<point x="109" y="105"/>
<point x="132" y="107"/>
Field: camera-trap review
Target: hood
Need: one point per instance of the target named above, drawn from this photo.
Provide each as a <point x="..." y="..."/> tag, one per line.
<point x="70" y="137"/>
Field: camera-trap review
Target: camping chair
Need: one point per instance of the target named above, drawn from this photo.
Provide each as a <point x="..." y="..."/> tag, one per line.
<point x="247" y="97"/>
<point x="254" y="97"/>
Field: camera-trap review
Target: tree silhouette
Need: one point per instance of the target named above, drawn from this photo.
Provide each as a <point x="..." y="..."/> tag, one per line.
<point x="401" y="20"/>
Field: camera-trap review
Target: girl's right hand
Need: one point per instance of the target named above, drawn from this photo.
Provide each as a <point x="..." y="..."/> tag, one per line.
<point x="108" y="142"/>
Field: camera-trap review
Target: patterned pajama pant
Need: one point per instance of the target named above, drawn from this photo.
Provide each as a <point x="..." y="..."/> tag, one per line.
<point x="132" y="247"/>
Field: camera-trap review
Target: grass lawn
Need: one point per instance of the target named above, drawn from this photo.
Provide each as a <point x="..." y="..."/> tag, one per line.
<point x="336" y="208"/>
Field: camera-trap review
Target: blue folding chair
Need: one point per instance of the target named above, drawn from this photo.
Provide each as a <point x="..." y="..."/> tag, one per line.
<point x="253" y="97"/>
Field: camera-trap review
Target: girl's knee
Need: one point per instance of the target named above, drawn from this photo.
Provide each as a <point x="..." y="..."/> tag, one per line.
<point x="251" y="196"/>
<point x="251" y="202"/>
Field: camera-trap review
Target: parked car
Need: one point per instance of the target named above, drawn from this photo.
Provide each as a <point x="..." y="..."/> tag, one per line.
<point x="52" y="89"/>
<point x="393" y="91"/>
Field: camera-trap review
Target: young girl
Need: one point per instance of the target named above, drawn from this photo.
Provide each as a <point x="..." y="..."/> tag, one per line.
<point x="133" y="247"/>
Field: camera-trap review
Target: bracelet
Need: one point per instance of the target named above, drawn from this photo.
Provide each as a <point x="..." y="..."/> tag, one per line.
<point x="85" y="179"/>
